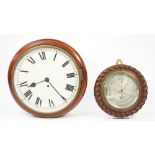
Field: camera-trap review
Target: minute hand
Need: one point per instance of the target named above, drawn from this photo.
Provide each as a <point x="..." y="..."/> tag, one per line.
<point x="57" y="91"/>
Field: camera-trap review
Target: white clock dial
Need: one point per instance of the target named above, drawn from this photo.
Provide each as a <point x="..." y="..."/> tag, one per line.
<point x="46" y="79"/>
<point x="121" y="90"/>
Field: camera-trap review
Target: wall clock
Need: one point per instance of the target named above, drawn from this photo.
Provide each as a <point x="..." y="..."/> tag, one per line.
<point x="47" y="78"/>
<point x="120" y="90"/>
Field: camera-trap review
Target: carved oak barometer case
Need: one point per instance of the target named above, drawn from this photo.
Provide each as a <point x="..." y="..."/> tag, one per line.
<point x="120" y="90"/>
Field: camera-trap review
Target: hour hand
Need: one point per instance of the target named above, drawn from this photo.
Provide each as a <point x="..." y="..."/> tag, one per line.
<point x="32" y="84"/>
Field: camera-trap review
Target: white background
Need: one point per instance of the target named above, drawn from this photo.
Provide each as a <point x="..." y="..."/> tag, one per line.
<point x="102" y="32"/>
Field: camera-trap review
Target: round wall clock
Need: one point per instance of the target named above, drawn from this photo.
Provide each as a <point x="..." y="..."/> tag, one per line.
<point x="47" y="78"/>
<point x="120" y="90"/>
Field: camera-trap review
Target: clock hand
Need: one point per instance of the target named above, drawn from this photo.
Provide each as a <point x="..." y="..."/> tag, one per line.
<point x="33" y="84"/>
<point x="47" y="80"/>
<point x="40" y="82"/>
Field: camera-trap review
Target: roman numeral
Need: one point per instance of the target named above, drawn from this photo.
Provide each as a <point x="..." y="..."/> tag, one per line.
<point x="23" y="84"/>
<point x="38" y="101"/>
<point x="70" y="75"/>
<point x="31" y="60"/>
<point x="23" y="71"/>
<point x="55" y="56"/>
<point x="28" y="94"/>
<point x="42" y="56"/>
<point x="65" y="64"/>
<point x="69" y="87"/>
<point x="51" y="104"/>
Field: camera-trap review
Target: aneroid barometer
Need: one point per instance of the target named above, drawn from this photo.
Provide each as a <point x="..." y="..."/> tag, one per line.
<point x="47" y="78"/>
<point x="120" y="90"/>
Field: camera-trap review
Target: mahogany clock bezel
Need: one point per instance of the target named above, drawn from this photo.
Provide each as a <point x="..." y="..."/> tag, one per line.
<point x="73" y="54"/>
<point x="105" y="106"/>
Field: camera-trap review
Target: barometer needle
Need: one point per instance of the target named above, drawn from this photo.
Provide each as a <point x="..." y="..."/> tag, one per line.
<point x="126" y="85"/>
